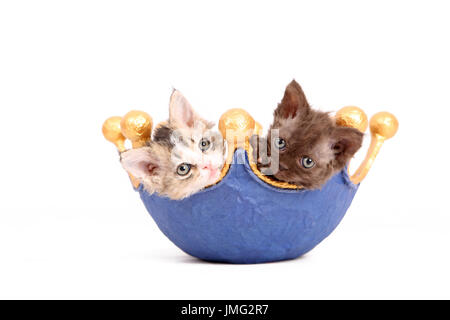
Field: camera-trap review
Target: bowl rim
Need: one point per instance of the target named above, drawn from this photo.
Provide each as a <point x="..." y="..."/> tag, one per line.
<point x="241" y="152"/>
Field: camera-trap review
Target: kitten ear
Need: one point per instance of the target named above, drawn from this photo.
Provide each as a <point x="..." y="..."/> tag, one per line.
<point x="181" y="114"/>
<point x="345" y="142"/>
<point x="294" y="102"/>
<point x="141" y="162"/>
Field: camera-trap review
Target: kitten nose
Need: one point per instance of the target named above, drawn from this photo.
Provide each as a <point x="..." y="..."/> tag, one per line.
<point x="207" y="166"/>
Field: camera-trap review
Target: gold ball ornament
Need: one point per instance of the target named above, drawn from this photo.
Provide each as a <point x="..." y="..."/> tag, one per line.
<point x="258" y="129"/>
<point x="352" y="117"/>
<point x="137" y="127"/>
<point x="112" y="132"/>
<point x="236" y="125"/>
<point x="384" y="124"/>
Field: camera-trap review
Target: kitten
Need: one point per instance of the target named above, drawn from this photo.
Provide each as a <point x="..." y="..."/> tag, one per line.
<point x="185" y="155"/>
<point x="309" y="146"/>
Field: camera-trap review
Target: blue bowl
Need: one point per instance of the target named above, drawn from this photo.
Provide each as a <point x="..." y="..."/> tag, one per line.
<point x="242" y="219"/>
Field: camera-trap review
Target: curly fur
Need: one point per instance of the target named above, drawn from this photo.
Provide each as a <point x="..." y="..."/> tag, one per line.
<point x="175" y="143"/>
<point x="310" y="133"/>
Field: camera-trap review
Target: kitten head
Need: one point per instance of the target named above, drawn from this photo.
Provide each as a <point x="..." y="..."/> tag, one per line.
<point x="310" y="147"/>
<point x="185" y="155"/>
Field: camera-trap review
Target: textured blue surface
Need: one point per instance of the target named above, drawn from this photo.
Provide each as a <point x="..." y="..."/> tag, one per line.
<point x="244" y="220"/>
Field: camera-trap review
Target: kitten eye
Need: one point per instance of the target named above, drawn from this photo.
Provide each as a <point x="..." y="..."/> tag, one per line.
<point x="307" y="162"/>
<point x="204" y="144"/>
<point x="280" y="143"/>
<point x="183" y="169"/>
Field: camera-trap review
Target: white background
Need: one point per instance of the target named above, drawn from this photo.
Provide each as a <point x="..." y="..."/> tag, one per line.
<point x="72" y="227"/>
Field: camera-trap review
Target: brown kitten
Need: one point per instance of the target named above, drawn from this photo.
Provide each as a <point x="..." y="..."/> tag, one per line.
<point x="309" y="145"/>
<point x="185" y="155"/>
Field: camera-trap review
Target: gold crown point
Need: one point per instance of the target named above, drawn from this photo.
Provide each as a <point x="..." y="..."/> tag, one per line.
<point x="238" y="120"/>
<point x="137" y="127"/>
<point x="236" y="126"/>
<point x="352" y="117"/>
<point x="258" y="129"/>
<point x="384" y="124"/>
<point x="112" y="132"/>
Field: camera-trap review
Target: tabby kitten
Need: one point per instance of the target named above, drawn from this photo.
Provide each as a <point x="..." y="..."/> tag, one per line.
<point x="185" y="155"/>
